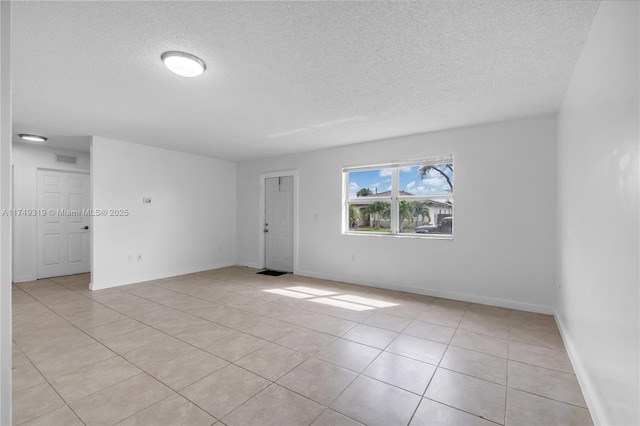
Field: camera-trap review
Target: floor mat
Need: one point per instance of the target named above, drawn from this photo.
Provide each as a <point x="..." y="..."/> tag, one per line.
<point x="271" y="273"/>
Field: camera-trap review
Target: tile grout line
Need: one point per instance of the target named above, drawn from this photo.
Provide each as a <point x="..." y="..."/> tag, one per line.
<point x="44" y="377"/>
<point x="357" y="322"/>
<point x="142" y="371"/>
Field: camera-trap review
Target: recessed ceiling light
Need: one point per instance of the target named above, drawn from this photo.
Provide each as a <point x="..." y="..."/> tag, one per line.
<point x="184" y="64"/>
<point x="33" y="138"/>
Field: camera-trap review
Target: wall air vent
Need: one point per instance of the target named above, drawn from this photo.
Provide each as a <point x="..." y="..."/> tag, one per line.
<point x="66" y="159"/>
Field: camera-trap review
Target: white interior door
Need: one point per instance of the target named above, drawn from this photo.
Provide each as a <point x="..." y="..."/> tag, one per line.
<point x="63" y="232"/>
<point x="278" y="225"/>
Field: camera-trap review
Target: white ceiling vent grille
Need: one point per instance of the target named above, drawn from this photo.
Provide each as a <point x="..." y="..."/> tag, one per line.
<point x="66" y="159"/>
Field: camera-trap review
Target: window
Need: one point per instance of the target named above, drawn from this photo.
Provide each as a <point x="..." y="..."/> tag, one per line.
<point x="406" y="198"/>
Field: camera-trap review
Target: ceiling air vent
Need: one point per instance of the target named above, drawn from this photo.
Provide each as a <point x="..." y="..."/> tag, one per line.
<point x="67" y="159"/>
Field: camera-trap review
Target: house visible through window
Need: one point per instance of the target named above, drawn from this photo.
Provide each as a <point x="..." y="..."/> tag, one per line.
<point x="407" y="198"/>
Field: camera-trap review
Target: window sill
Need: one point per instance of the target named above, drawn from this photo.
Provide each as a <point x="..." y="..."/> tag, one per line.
<point x="403" y="236"/>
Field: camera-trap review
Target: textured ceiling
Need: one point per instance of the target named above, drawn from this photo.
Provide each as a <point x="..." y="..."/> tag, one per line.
<point x="287" y="77"/>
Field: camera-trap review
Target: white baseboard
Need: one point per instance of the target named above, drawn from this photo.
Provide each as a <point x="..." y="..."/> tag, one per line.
<point x="160" y="275"/>
<point x="586" y="385"/>
<point x="25" y="278"/>
<point x="249" y="265"/>
<point x="510" y="304"/>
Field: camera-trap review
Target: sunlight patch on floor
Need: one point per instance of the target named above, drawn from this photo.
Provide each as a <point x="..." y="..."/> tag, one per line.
<point x="288" y="293"/>
<point x="347" y="301"/>
<point x="366" y="301"/>
<point x="314" y="291"/>
<point x="342" y="304"/>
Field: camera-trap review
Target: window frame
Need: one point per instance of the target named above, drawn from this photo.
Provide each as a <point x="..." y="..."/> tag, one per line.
<point x="395" y="197"/>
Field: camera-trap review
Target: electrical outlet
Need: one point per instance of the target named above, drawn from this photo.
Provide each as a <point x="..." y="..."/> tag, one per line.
<point x="130" y="257"/>
<point x="139" y="257"/>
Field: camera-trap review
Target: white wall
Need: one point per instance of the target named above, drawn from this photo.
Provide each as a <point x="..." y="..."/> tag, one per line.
<point x="598" y="176"/>
<point x="189" y="225"/>
<point x="504" y="247"/>
<point x="5" y="221"/>
<point x="27" y="159"/>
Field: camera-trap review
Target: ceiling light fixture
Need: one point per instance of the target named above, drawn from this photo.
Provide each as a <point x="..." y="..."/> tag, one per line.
<point x="32" y="138"/>
<point x="184" y="64"/>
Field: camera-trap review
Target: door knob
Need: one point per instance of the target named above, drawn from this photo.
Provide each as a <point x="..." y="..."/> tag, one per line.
<point x="266" y="230"/>
<point x="85" y="227"/>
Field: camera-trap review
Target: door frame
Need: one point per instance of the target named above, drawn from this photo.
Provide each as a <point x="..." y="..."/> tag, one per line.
<point x="79" y="172"/>
<point x="262" y="250"/>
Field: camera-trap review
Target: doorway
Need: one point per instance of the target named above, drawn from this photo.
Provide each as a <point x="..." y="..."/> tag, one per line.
<point x="278" y="221"/>
<point x="63" y="234"/>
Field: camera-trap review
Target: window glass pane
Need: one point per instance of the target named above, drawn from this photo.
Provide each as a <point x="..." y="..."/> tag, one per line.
<point x="430" y="216"/>
<point x="370" y="183"/>
<point x="418" y="194"/>
<point x="370" y="217"/>
<point x="424" y="180"/>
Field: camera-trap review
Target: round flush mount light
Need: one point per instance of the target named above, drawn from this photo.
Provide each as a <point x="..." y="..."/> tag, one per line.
<point x="32" y="138"/>
<point x="184" y="64"/>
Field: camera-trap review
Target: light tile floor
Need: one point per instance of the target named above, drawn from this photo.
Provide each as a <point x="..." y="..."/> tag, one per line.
<point x="216" y="346"/>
